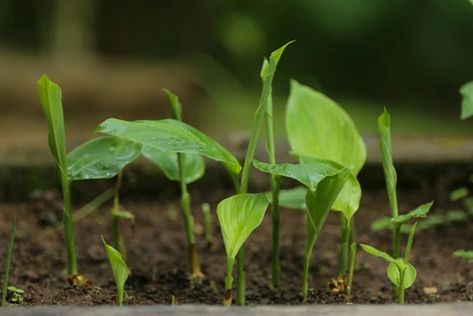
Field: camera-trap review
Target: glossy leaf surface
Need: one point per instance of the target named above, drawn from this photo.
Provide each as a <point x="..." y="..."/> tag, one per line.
<point x="101" y="158"/>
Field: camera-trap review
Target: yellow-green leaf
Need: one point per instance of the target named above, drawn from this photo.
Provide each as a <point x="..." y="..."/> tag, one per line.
<point x="119" y="268"/>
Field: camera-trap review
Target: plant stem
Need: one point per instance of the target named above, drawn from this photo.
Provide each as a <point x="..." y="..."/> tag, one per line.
<point x="118" y="240"/>
<point x="397" y="241"/>
<point x="227" y="300"/>
<point x="188" y="220"/>
<point x="344" y="251"/>
<point x="241" y="285"/>
<point x="310" y="243"/>
<point x="351" y="269"/>
<point x="402" y="273"/>
<point x="6" y="274"/>
<point x="72" y="268"/>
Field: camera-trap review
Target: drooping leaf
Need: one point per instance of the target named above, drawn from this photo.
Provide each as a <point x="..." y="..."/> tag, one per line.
<point x="348" y="201"/>
<point x="291" y="198"/>
<point x="467" y="103"/>
<point x="377" y="253"/>
<point x="384" y="128"/>
<point x="420" y="212"/>
<point x="123" y="214"/>
<point x="318" y="127"/>
<point x="101" y="158"/>
<point x="309" y="174"/>
<point x="468" y="255"/>
<point x="50" y="96"/>
<point x="394" y="275"/>
<point x="171" y="136"/>
<point x="194" y="166"/>
<point x="458" y="194"/>
<point x="239" y="215"/>
<point x="119" y="268"/>
<point x="320" y="201"/>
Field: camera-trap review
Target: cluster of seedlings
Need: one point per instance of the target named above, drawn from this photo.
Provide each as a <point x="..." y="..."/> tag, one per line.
<point x="324" y="140"/>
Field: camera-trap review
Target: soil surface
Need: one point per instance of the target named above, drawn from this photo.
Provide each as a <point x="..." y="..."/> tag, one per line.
<point x="157" y="255"/>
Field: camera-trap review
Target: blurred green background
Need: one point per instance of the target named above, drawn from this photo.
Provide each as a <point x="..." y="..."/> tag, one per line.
<point x="411" y="56"/>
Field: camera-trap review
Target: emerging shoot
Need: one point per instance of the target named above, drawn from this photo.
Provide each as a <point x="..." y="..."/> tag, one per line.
<point x="119" y="268"/>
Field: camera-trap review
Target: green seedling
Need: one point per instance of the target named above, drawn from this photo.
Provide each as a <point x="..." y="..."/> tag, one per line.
<point x="171" y="137"/>
<point x="384" y="128"/>
<point x="238" y="215"/>
<point x="324" y="180"/>
<point x="208" y="224"/>
<point x="185" y="169"/>
<point x="400" y="272"/>
<point x="15" y="295"/>
<point x="119" y="269"/>
<point x="333" y="136"/>
<point x="99" y="158"/>
<point x="263" y="115"/>
<point x="6" y="273"/>
<point x="465" y="254"/>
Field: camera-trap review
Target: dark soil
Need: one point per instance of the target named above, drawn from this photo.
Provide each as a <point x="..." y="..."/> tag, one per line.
<point x="157" y="256"/>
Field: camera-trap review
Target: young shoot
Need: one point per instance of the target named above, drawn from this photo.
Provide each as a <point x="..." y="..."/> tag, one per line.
<point x="400" y="271"/>
<point x="119" y="269"/>
<point x="324" y="180"/>
<point x="263" y="114"/>
<point x="6" y="273"/>
<point x="99" y="158"/>
<point x="333" y="136"/>
<point x="185" y="169"/>
<point x="238" y="216"/>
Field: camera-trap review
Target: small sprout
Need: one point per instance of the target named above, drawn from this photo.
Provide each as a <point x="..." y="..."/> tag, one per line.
<point x="468" y="255"/>
<point x="15" y="295"/>
<point x="119" y="268"/>
<point x="238" y="215"/>
<point x="458" y="194"/>
<point x="324" y="180"/>
<point x="400" y="272"/>
<point x="6" y="273"/>
<point x="208" y="225"/>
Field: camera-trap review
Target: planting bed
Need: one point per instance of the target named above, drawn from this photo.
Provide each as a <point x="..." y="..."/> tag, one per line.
<point x="157" y="252"/>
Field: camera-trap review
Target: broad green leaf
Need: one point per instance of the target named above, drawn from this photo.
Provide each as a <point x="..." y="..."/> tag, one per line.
<point x="468" y="255"/>
<point x="348" y="201"/>
<point x="171" y="136"/>
<point x="239" y="215"/>
<point x="384" y="128"/>
<point x="393" y="272"/>
<point x="419" y="212"/>
<point x="309" y="174"/>
<point x="320" y="201"/>
<point x="467" y="103"/>
<point x="291" y="198"/>
<point x="458" y="194"/>
<point x="101" y="158"/>
<point x="318" y="127"/>
<point x="50" y="96"/>
<point x="375" y="252"/>
<point x="119" y="268"/>
<point x="194" y="166"/>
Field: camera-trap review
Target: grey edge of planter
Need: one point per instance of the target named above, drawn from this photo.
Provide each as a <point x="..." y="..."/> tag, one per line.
<point x="452" y="309"/>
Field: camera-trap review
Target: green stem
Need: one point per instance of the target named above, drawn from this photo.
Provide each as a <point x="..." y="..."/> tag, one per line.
<point x="402" y="273"/>
<point x="188" y="220"/>
<point x="208" y="226"/>
<point x="275" y="212"/>
<point x="6" y="274"/>
<point x="72" y="268"/>
<point x="227" y="300"/>
<point x="396" y="241"/>
<point x="118" y="240"/>
<point x="344" y="251"/>
<point x="310" y="242"/>
<point x="352" y="268"/>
